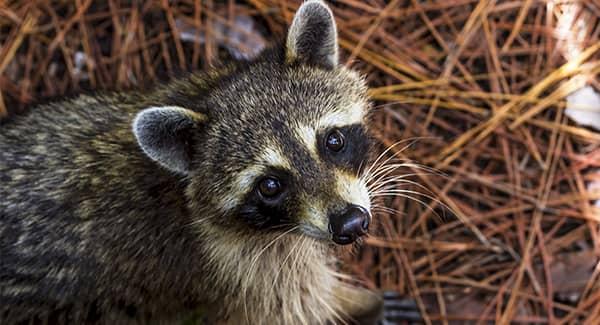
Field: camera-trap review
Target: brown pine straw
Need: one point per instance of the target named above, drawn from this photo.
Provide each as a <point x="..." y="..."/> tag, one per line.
<point x="506" y="231"/>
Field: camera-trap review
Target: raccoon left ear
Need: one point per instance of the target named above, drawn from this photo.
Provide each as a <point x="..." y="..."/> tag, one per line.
<point x="312" y="37"/>
<point x="163" y="133"/>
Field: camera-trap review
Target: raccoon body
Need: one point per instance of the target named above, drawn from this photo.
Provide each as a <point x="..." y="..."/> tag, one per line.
<point x="222" y="191"/>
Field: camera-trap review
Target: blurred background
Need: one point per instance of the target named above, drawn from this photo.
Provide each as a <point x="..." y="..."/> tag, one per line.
<point x="495" y="213"/>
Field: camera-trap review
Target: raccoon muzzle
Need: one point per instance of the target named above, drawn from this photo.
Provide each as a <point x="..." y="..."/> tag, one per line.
<point x="348" y="226"/>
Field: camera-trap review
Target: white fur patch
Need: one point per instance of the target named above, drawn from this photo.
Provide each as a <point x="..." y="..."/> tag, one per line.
<point x="353" y="114"/>
<point x="308" y="136"/>
<point x="244" y="182"/>
<point x="352" y="189"/>
<point x="273" y="157"/>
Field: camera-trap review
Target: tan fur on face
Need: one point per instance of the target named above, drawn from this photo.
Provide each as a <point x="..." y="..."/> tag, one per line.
<point x="308" y="137"/>
<point x="315" y="215"/>
<point x="273" y="157"/>
<point x="352" y="189"/>
<point x="353" y="114"/>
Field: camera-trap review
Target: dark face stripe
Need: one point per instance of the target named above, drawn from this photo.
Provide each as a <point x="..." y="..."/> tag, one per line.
<point x="355" y="153"/>
<point x="307" y="178"/>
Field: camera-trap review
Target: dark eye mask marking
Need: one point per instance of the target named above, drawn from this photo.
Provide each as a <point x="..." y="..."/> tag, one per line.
<point x="260" y="212"/>
<point x="355" y="151"/>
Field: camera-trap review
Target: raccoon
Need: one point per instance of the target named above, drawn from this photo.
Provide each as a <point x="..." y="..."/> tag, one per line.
<point x="223" y="192"/>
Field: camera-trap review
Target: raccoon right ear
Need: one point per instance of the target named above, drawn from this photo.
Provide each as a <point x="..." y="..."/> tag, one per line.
<point x="312" y="37"/>
<point x="163" y="133"/>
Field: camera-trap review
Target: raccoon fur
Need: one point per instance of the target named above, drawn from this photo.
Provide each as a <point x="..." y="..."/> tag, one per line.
<point x="223" y="192"/>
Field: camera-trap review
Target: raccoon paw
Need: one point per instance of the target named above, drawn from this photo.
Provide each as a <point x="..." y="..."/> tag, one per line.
<point x="399" y="310"/>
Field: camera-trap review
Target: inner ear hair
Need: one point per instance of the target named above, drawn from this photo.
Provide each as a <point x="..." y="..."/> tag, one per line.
<point x="164" y="132"/>
<point x="312" y="37"/>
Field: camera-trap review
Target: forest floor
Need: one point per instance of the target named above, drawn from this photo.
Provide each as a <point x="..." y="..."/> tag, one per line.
<point x="496" y="213"/>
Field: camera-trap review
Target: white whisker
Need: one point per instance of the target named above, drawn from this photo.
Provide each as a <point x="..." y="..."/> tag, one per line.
<point x="388" y="149"/>
<point x="414" y="199"/>
<point x="385" y="209"/>
<point x="397" y="192"/>
<point x="283" y="264"/>
<point x="398" y="180"/>
<point x="253" y="264"/>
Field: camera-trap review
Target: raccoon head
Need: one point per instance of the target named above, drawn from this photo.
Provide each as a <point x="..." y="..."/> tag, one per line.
<point x="277" y="143"/>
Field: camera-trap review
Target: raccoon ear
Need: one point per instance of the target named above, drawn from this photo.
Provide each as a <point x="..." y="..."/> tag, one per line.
<point x="163" y="133"/>
<point x="312" y="38"/>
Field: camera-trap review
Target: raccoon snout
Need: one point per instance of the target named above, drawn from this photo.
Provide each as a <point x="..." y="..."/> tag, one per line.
<point x="347" y="226"/>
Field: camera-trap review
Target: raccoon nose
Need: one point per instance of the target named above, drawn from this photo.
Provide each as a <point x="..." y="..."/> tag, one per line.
<point x="349" y="225"/>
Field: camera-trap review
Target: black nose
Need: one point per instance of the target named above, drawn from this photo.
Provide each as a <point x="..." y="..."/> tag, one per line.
<point x="347" y="226"/>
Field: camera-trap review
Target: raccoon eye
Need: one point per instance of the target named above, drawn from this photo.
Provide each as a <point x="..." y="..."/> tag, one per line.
<point x="335" y="141"/>
<point x="269" y="187"/>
